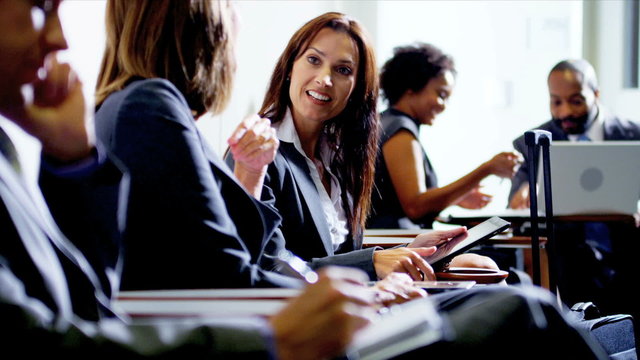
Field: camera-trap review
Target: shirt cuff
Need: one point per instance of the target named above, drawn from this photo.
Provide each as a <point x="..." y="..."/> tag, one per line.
<point x="77" y="168"/>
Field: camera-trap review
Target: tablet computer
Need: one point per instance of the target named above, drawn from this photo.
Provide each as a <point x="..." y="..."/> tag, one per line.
<point x="461" y="243"/>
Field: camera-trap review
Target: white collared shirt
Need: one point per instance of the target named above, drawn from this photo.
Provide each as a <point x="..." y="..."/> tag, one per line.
<point x="28" y="150"/>
<point x="331" y="203"/>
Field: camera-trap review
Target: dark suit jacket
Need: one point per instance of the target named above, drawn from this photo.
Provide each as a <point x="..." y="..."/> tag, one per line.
<point x="288" y="186"/>
<point x="615" y="129"/>
<point x="84" y="204"/>
<point x="51" y="300"/>
<point x="37" y="252"/>
<point x="189" y="224"/>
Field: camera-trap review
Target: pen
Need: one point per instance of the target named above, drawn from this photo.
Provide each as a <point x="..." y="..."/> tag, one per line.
<point x="289" y="264"/>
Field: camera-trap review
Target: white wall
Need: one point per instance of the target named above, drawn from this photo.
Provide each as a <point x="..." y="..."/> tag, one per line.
<point x="83" y="24"/>
<point x="608" y="59"/>
<point x="265" y="29"/>
<point x="503" y="51"/>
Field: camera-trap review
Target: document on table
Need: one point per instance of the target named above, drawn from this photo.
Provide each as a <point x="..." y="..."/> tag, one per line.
<point x="218" y="302"/>
<point x="410" y="233"/>
<point x="396" y="330"/>
<point x="390" y="237"/>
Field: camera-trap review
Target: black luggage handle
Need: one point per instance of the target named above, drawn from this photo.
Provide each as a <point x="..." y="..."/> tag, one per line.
<point x="542" y="139"/>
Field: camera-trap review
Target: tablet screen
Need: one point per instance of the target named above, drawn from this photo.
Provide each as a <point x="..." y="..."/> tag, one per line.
<point x="464" y="242"/>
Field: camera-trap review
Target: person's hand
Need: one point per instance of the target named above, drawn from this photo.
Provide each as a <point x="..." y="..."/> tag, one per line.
<point x="471" y="260"/>
<point x="404" y="260"/>
<point x="505" y="164"/>
<point x="321" y="322"/>
<point x="59" y="116"/>
<point x="436" y="237"/>
<point x="397" y="288"/>
<point x="474" y="199"/>
<point x="521" y="199"/>
<point x="254" y="144"/>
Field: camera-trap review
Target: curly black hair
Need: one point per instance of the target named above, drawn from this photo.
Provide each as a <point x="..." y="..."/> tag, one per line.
<point x="411" y="68"/>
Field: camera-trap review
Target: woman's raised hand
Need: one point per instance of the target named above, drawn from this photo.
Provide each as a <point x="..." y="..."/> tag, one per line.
<point x="254" y="145"/>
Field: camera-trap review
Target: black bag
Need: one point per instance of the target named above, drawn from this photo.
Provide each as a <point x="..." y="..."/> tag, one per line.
<point x="615" y="333"/>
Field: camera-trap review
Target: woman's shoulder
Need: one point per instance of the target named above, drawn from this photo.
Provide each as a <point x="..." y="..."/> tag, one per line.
<point x="394" y="121"/>
<point x="155" y="90"/>
<point x="149" y="97"/>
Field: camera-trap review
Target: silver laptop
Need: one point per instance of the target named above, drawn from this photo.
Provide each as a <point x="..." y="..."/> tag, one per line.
<point x="593" y="178"/>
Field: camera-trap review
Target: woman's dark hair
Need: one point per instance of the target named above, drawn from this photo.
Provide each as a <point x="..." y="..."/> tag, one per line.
<point x="186" y="42"/>
<point x="354" y="132"/>
<point x="411" y="68"/>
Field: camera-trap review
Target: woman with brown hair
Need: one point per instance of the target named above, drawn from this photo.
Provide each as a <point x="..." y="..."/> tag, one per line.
<point x="322" y="103"/>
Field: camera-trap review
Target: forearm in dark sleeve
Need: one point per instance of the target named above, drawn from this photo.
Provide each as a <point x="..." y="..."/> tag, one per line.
<point x="29" y="328"/>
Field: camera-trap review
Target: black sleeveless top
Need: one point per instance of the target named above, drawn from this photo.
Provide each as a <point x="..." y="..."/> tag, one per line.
<point x="386" y="212"/>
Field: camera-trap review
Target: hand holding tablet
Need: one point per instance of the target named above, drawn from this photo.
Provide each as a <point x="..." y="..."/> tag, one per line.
<point x="462" y="243"/>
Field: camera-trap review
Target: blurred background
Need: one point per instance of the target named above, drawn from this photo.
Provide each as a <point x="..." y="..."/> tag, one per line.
<point x="503" y="52"/>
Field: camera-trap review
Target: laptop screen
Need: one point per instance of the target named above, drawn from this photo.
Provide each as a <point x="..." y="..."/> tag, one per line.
<point x="593" y="178"/>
